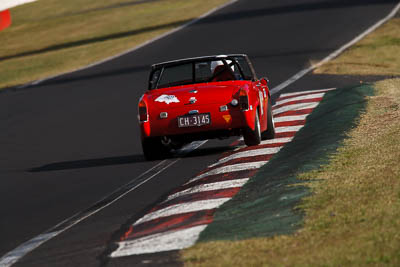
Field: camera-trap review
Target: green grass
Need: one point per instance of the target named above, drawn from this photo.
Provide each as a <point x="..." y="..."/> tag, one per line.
<point x="49" y="37"/>
<point x="377" y="54"/>
<point x="352" y="216"/>
<point x="265" y="206"/>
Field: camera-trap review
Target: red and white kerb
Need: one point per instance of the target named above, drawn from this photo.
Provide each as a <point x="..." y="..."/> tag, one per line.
<point x="177" y="222"/>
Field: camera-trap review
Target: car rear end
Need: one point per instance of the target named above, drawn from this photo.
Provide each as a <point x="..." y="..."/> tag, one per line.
<point x="193" y="112"/>
<point x="196" y="98"/>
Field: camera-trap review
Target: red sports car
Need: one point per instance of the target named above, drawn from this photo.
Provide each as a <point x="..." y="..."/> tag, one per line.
<point x="203" y="98"/>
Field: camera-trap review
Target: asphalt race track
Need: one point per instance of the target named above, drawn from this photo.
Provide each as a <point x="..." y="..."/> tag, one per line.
<point x="68" y="142"/>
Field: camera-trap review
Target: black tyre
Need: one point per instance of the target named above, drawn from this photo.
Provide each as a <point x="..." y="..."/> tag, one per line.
<point x="270" y="132"/>
<point x="153" y="149"/>
<point x="253" y="138"/>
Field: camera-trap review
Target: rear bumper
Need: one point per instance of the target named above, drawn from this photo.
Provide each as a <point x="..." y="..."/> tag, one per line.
<point x="222" y="123"/>
<point x="186" y="138"/>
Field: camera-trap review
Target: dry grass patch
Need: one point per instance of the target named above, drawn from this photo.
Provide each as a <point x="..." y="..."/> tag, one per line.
<point x="376" y="54"/>
<point x="353" y="213"/>
<point x="49" y="37"/>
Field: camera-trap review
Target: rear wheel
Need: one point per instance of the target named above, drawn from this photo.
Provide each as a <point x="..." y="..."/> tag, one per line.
<point x="270" y="132"/>
<point x="153" y="149"/>
<point x="253" y="138"/>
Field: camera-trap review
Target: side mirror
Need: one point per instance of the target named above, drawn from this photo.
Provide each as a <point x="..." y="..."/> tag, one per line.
<point x="264" y="81"/>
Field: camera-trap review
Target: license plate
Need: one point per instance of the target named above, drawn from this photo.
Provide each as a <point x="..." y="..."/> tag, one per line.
<point x="194" y="120"/>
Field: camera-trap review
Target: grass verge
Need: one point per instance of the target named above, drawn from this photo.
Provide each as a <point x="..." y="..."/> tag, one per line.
<point x="352" y="215"/>
<point x="49" y="37"/>
<point x="265" y="205"/>
<point x="376" y="54"/>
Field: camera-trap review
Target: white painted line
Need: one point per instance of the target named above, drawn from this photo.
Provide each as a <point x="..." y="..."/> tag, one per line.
<point x="335" y="53"/>
<point x="277" y="140"/>
<point x="13" y="256"/>
<point x="231" y="168"/>
<point x="299" y="98"/>
<point x="272" y="141"/>
<point x="136" y="47"/>
<point x="183" y="208"/>
<point x="209" y="187"/>
<point x="5" y="258"/>
<point x="284" y="85"/>
<point x="291" y="118"/>
<point x="172" y="240"/>
<point x="269" y="141"/>
<point x="248" y="153"/>
<point x="294" y="107"/>
<point x="288" y="129"/>
<point x="32" y="244"/>
<point x="16" y="254"/>
<point x="306" y="92"/>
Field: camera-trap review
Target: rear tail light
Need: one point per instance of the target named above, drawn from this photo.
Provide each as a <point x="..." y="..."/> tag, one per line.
<point x="243" y="99"/>
<point x="143" y="115"/>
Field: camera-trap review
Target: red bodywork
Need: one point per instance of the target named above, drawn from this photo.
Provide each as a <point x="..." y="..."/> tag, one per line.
<point x="210" y="97"/>
<point x="203" y="98"/>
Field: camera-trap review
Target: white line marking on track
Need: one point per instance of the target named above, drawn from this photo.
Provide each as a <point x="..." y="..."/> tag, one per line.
<point x="172" y="240"/>
<point x="277" y="140"/>
<point x="13" y="256"/>
<point x="306" y="92"/>
<point x="183" y="208"/>
<point x="293" y="107"/>
<point x="6" y="261"/>
<point x="291" y="118"/>
<point x="273" y="141"/>
<point x="209" y="187"/>
<point x="16" y="254"/>
<point x="335" y="53"/>
<point x="298" y="98"/>
<point x="248" y="153"/>
<point x="230" y="168"/>
<point x="136" y="47"/>
<point x="288" y="129"/>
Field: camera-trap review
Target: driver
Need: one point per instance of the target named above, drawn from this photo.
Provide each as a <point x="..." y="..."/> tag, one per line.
<point x="221" y="72"/>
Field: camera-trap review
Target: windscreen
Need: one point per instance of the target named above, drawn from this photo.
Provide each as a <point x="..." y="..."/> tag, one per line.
<point x="201" y="71"/>
<point x="176" y="75"/>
